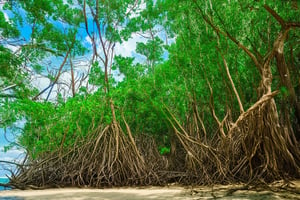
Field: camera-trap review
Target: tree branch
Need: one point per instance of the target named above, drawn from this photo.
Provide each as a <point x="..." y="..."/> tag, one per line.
<point x="282" y="22"/>
<point x="8" y="87"/>
<point x="228" y="35"/>
<point x="232" y="83"/>
<point x="59" y="72"/>
<point x="275" y="15"/>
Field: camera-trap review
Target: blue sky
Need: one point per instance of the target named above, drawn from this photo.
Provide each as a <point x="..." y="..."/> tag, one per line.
<point x="13" y="154"/>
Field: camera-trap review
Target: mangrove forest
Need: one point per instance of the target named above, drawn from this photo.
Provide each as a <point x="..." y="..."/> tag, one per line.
<point x="116" y="93"/>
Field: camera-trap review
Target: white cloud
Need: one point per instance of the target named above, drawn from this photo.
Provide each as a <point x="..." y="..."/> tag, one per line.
<point x="88" y="40"/>
<point x="12" y="155"/>
<point x="127" y="48"/>
<point x="6" y="17"/>
<point x="63" y="85"/>
<point x="13" y="48"/>
<point x="140" y="8"/>
<point x="40" y="82"/>
<point x="3" y="11"/>
<point x="66" y="79"/>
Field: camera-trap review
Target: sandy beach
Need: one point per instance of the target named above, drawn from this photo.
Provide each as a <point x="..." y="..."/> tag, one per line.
<point x="177" y="193"/>
<point x="150" y="193"/>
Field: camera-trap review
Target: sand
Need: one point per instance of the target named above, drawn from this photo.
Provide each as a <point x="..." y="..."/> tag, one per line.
<point x="151" y="193"/>
<point x="101" y="194"/>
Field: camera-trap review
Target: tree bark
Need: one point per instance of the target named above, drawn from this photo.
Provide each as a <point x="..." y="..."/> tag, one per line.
<point x="278" y="50"/>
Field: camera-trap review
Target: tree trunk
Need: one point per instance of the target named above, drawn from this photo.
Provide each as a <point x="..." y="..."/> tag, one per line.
<point x="284" y="73"/>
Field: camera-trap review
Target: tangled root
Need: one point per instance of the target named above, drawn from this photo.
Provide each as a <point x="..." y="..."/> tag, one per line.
<point x="255" y="147"/>
<point x="107" y="158"/>
<point x="259" y="147"/>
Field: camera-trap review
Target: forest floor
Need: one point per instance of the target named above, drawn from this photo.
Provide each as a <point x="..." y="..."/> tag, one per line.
<point x="157" y="193"/>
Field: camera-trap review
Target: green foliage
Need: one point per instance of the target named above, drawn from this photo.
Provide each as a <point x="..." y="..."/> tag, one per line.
<point x="96" y="75"/>
<point x="180" y="83"/>
<point x="7" y="29"/>
<point x="283" y="92"/>
<point x="164" y="150"/>
<point x="38" y="68"/>
<point x="152" y="50"/>
<point x="49" y="126"/>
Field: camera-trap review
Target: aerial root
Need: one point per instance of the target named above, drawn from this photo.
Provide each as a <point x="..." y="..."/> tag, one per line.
<point x="107" y="158"/>
<point x="255" y="148"/>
